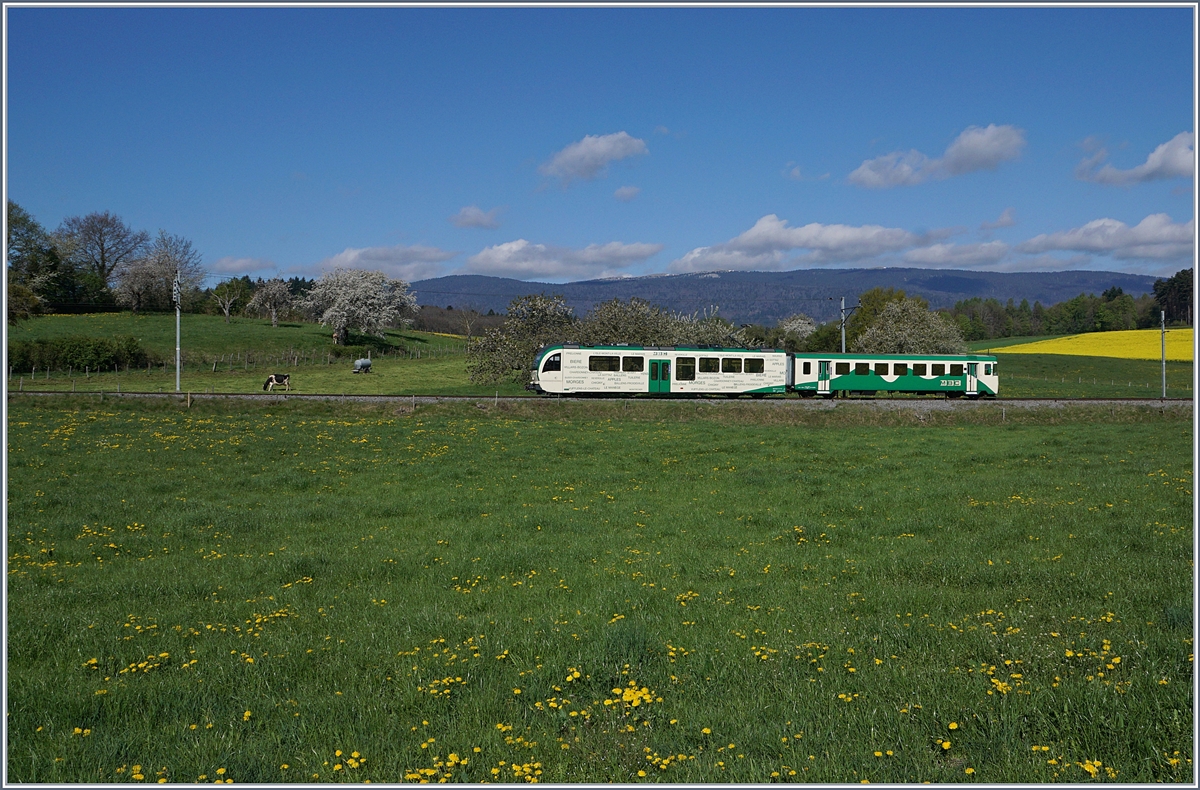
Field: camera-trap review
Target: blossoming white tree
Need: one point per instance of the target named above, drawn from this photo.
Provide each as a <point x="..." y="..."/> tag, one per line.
<point x="907" y="327"/>
<point x="145" y="282"/>
<point x="369" y="302"/>
<point x="272" y="298"/>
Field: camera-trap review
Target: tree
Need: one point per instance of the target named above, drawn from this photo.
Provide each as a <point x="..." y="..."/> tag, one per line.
<point x="39" y="262"/>
<point x="508" y="351"/>
<point x="103" y="243"/>
<point x="909" y="327"/>
<point x="346" y="299"/>
<point x="229" y="293"/>
<point x="793" y="331"/>
<point x="636" y="321"/>
<point x="147" y="282"/>
<point x="707" y="329"/>
<point x="827" y="337"/>
<point x="271" y="297"/>
<point x="22" y="302"/>
<point x="1174" y="295"/>
<point x="799" y="325"/>
<point x="871" y="305"/>
<point x="298" y="287"/>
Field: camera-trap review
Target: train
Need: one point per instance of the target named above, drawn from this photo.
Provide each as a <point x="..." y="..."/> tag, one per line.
<point x="697" y="371"/>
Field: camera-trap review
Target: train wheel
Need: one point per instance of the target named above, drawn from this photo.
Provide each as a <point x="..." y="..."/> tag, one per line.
<point x="758" y="395"/>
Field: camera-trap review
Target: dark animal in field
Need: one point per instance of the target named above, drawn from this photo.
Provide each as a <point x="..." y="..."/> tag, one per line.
<point x="280" y="379"/>
<point x="362" y="366"/>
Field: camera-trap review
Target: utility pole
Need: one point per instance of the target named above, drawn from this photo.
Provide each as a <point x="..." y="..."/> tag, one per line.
<point x="1163" y="318"/>
<point x="852" y="309"/>
<point x="175" y="295"/>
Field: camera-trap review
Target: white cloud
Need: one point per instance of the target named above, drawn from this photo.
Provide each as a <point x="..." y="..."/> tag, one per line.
<point x="977" y="148"/>
<point x="792" y="171"/>
<point x="769" y="244"/>
<point x="1175" y="158"/>
<point x="523" y="260"/>
<point x="893" y="170"/>
<point x="406" y="263"/>
<point x="626" y="194"/>
<point x="958" y="256"/>
<point x="1155" y="237"/>
<point x="475" y="217"/>
<point x="240" y="266"/>
<point x="590" y="157"/>
<point x="1006" y="219"/>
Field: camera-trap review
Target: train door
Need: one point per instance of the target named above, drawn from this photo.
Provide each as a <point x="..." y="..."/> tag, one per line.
<point x="972" y="378"/>
<point x="823" y="377"/>
<point x="660" y="375"/>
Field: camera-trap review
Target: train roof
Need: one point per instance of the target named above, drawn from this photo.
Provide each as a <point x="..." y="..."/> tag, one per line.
<point x="853" y="356"/>
<point x="636" y="347"/>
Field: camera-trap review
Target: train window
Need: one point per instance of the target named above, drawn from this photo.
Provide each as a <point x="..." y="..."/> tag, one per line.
<point x="553" y="363"/>
<point x="710" y="365"/>
<point x="808" y="368"/>
<point x="881" y="368"/>
<point x="654" y="372"/>
<point x="956" y="370"/>
<point x="918" y="368"/>
<point x="685" y="368"/>
<point x="937" y="370"/>
<point x="862" y="368"/>
<point x="901" y="369"/>
<point x="633" y="364"/>
<point x="841" y="368"/>
<point x="604" y="363"/>
<point x="731" y="365"/>
<point x="755" y="365"/>
<point x="987" y="370"/>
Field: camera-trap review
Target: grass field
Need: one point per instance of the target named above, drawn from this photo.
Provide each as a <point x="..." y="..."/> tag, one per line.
<point x="441" y="366"/>
<point x="204" y="337"/>
<point x="575" y="592"/>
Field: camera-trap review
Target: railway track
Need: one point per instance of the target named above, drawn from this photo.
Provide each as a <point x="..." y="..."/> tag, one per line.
<point x="769" y="402"/>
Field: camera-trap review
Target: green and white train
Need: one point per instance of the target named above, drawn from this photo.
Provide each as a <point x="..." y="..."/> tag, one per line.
<point x="570" y="369"/>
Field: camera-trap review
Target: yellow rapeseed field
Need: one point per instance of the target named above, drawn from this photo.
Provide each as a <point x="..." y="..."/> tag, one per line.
<point x="1131" y="344"/>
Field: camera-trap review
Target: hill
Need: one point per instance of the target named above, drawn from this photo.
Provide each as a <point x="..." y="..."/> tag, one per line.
<point x="765" y="297"/>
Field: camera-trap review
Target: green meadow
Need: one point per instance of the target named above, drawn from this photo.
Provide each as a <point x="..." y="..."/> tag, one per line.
<point x="597" y="591"/>
<point x="236" y="358"/>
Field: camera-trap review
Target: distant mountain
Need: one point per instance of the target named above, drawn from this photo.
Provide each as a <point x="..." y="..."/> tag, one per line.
<point x="765" y="297"/>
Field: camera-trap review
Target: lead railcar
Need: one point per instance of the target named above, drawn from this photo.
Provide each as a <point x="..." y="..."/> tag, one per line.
<point x="570" y="369"/>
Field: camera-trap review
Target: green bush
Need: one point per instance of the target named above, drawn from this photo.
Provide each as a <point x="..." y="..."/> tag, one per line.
<point x="76" y="352"/>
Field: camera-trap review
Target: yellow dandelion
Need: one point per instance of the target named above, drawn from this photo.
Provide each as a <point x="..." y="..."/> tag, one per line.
<point x="953" y="725"/>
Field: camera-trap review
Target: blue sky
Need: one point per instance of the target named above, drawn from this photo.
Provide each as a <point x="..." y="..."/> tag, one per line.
<point x="566" y="144"/>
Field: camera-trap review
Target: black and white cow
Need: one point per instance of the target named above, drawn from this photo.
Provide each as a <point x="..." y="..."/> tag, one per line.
<point x="281" y="379"/>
